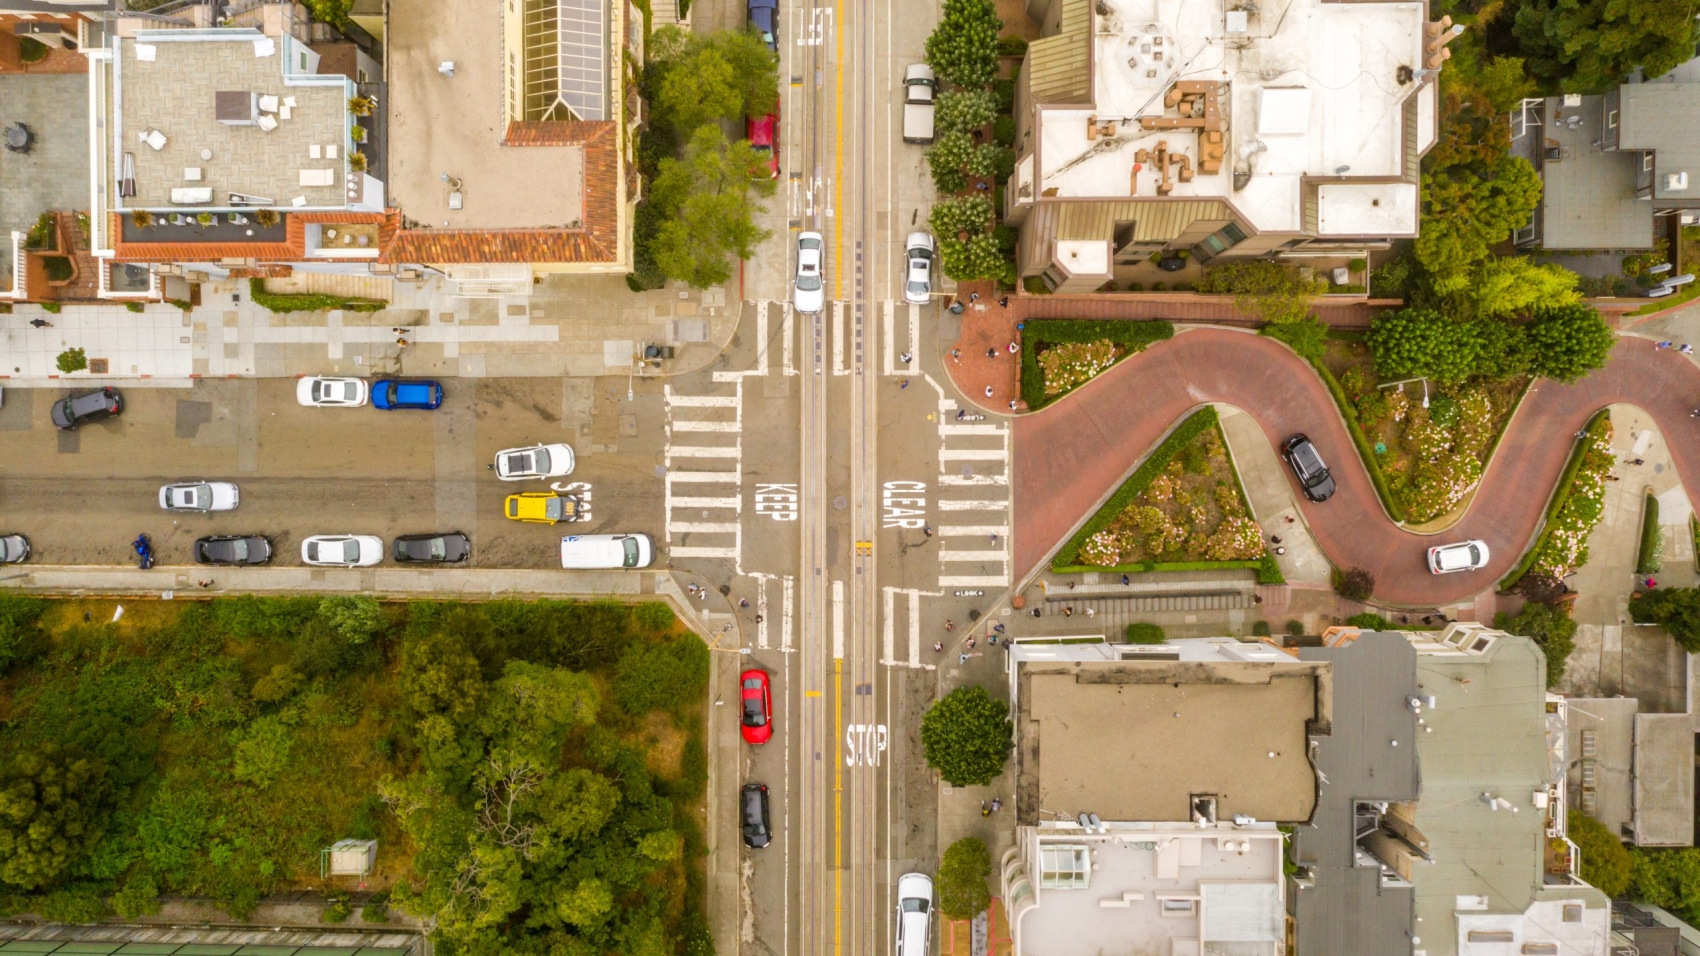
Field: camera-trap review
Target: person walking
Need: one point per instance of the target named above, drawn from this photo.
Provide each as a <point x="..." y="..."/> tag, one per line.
<point x="991" y="353"/>
<point x="1091" y="612"/>
<point x="927" y="530"/>
<point x="996" y="804"/>
<point x="41" y="323"/>
<point x="1125" y="580"/>
<point x="950" y="625"/>
<point x="1003" y="303"/>
<point x="1014" y="347"/>
<point x="1014" y="405"/>
<point x="956" y="356"/>
<point x="903" y="384"/>
<point x="988" y="391"/>
<point x="402" y="343"/>
<point x="938" y="647"/>
<point x="743" y="602"/>
<point x="994" y="539"/>
<point x="1685" y="349"/>
<point x="1662" y="345"/>
<point x="906" y="358"/>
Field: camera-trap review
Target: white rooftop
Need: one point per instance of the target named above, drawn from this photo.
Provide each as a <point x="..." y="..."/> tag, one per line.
<point x="1312" y="89"/>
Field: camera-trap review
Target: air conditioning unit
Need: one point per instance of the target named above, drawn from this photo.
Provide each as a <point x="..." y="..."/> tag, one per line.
<point x="1675" y="182"/>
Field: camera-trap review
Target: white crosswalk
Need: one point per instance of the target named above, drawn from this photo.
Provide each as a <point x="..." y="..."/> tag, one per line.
<point x="909" y="625"/>
<point x="973" y="493"/>
<point x="703" y="486"/>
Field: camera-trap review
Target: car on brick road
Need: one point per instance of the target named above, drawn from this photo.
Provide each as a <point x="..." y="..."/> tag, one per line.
<point x="1307" y="465"/>
<point x="432" y="548"/>
<point x="757" y="693"/>
<point x="1463" y="556"/>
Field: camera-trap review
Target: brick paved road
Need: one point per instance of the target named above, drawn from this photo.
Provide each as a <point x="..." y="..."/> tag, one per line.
<point x="1072" y="454"/>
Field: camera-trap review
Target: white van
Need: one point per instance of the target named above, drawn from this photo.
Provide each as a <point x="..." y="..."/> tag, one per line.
<point x="588" y="552"/>
<point x="914" y="914"/>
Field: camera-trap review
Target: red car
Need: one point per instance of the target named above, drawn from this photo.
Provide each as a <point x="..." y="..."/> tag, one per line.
<point x="763" y="134"/>
<point x="758" y="706"/>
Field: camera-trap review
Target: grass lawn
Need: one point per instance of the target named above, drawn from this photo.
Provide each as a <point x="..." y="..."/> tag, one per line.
<point x="1060" y="355"/>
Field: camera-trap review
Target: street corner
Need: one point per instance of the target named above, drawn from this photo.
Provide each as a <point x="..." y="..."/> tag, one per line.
<point x="984" y="363"/>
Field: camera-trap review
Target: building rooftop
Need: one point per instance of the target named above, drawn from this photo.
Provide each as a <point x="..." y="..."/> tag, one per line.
<point x="1274" y="94"/>
<point x="1601" y="746"/>
<point x="232" y="111"/>
<point x="1588" y="200"/>
<point x="1664" y="780"/>
<point x="1137" y="740"/>
<point x="1660" y="116"/>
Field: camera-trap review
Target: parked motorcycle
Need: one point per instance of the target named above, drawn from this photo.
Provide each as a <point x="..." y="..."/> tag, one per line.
<point x="143" y="546"/>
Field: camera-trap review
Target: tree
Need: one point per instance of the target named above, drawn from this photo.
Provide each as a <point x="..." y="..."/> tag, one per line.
<point x="1308" y="337"/>
<point x="1677" y="610"/>
<point x="1551" y="627"/>
<point x="21" y="637"/>
<point x="963" y="49"/>
<point x="1512" y="286"/>
<point x="709" y="77"/>
<point x="1355" y="584"/>
<point x="963" y="871"/>
<point x="53" y="808"/>
<point x="1504" y="351"/>
<point x="355" y="618"/>
<point x="1268" y="290"/>
<point x="1370" y="621"/>
<point x="961" y="214"/>
<point x="964" y="111"/>
<point x="658" y="675"/>
<point x="979" y="258"/>
<point x="708" y="201"/>
<point x="1669" y="879"/>
<point x="1567" y="342"/>
<point x="988" y="161"/>
<point x="1421" y="343"/>
<point x="1606" y="865"/>
<point x="1590" y="46"/>
<point x="967" y="736"/>
<point x="946" y="158"/>
<point x="1464" y="212"/>
<point x="440" y="676"/>
<point x="700" y="91"/>
<point x="72" y="360"/>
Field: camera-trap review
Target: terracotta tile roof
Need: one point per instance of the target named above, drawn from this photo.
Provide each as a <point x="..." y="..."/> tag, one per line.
<point x="292" y="249"/>
<point x="597" y="239"/>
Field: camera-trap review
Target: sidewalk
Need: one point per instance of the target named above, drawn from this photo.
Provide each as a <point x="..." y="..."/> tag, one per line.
<point x="1271" y="494"/>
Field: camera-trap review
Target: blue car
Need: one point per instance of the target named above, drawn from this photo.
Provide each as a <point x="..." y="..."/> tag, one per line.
<point x="389" y="394"/>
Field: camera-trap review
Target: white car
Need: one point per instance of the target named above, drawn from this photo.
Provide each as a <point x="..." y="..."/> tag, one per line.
<point x="199" y="496"/>
<point x="914" y="914"/>
<point x="1463" y="556"/>
<point x="343" y="550"/>
<point x="918" y="287"/>
<point x="809" y="292"/>
<point x="537" y="461"/>
<point x="331" y="392"/>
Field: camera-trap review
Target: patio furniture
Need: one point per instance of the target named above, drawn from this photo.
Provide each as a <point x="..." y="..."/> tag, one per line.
<point x="268" y="103"/>
<point x="192" y="174"/>
<point x="192" y="196"/>
<point x="206" y="154"/>
<point x="19" y="139"/>
<point x="268" y="122"/>
<point x="154" y="138"/>
<point x="1171" y="263"/>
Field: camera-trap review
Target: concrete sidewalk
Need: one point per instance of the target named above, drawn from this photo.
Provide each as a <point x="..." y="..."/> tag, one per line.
<point x="1271" y="493"/>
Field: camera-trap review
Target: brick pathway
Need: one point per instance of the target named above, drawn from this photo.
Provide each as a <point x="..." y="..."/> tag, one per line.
<point x="986" y="326"/>
<point x="1074" y="453"/>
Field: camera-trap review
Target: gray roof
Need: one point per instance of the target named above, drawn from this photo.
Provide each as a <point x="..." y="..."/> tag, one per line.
<point x="1588" y="200"/>
<point x="1665" y="118"/>
<point x="1348" y="910"/>
<point x="1605" y="726"/>
<point x="1664" y="780"/>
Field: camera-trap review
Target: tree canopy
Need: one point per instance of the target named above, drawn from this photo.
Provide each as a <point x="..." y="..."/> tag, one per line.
<point x="1465" y="211"/>
<point x="708" y="201"/>
<point x="963" y="49"/>
<point x="967" y="736"/>
<point x="1551" y="627"/>
<point x="53" y="809"/>
<point x="1590" y="46"/>
<point x="1677" y="610"/>
<point x="963" y="871"/>
<point x="1567" y="342"/>
<point x="1422" y="343"/>
<point x="1606" y="864"/>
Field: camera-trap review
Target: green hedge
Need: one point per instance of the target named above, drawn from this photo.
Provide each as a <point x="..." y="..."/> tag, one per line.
<point x="1133" y="336"/>
<point x="1142" y="632"/>
<point x="308" y="301"/>
<point x="1651" y="545"/>
<point x="1366" y="448"/>
<point x="1267" y="568"/>
<point x="1560" y="495"/>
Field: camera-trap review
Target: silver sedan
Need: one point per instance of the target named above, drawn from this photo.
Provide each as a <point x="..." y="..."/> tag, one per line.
<point x="199" y="496"/>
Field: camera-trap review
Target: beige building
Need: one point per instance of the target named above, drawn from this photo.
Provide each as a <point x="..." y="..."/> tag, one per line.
<point x="1232" y="130"/>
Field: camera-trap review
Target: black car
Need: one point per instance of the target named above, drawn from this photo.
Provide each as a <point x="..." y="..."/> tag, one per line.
<point x="433" y="548"/>
<point x="1307" y="466"/>
<point x="233" y="549"/>
<point x="74" y="410"/>
<point x="757" y="833"/>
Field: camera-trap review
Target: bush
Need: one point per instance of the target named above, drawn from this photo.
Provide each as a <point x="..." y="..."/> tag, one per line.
<point x="1141" y="632"/>
<point x="72" y="360"/>
<point x="1421" y="343"/>
<point x="1295" y="628"/>
<point x="1190" y="428"/>
<point x="1652" y="541"/>
<point x="655" y="617"/>
<point x="1012" y="46"/>
<point x="1550" y="626"/>
<point x="51" y="307"/>
<point x="1357" y="265"/>
<point x="43" y="235"/>
<point x="133" y="306"/>
<point x="21" y="638"/>
<point x="1260" y="629"/>
<point x="1266" y="289"/>
<point x="306" y="301"/>
<point x="1568" y="342"/>
<point x="963" y="871"/>
<point x="1308" y="337"/>
<point x="1370" y="622"/>
<point x="57" y="268"/>
<point x="963" y="49"/>
<point x="139" y="896"/>
<point x="1130" y="337"/>
<point x="31" y="50"/>
<point x="1005" y="92"/>
<point x="967" y="736"/>
<point x="1355" y="584"/>
<point x="660" y="675"/>
<point x="1606" y="863"/>
<point x="1003" y="130"/>
<point x="1677" y="610"/>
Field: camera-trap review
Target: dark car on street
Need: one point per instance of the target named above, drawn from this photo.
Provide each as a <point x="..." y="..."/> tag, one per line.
<point x="445" y="548"/>
<point x="1307" y="466"/>
<point x="233" y="549"/>
<point x="764" y="19"/>
<point x="753" y="807"/>
<point x="84" y="407"/>
<point x="389" y="395"/>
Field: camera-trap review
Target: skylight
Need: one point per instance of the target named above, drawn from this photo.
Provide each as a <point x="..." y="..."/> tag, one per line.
<point x="565" y="63"/>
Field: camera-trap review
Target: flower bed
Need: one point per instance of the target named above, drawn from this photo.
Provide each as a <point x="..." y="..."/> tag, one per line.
<point x="1183" y="509"/>
<point x="1578" y="504"/>
<point x="1060" y="355"/>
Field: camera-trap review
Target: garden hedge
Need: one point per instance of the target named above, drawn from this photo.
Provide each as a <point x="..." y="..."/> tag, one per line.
<point x="1134" y="336"/>
<point x="1560" y="495"/>
<point x="1651" y="544"/>
<point x="308" y="301"/>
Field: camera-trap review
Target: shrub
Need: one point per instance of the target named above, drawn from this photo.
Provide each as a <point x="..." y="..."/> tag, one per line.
<point x="1005" y="92"/>
<point x="267" y="217"/>
<point x="1129" y="337"/>
<point x="1568" y="342"/>
<point x="138" y="896"/>
<point x="1652" y="541"/>
<point x="967" y="736"/>
<point x="358" y="162"/>
<point x="141" y="218"/>
<point x="57" y="268"/>
<point x="660" y="675"/>
<point x="1420" y="343"/>
<point x="1308" y="337"/>
<point x="1260" y="629"/>
<point x="72" y="360"/>
<point x="51" y="307"/>
<point x="1012" y="46"/>
<point x="1354" y="584"/>
<point x="357" y="133"/>
<point x="1142" y="632"/>
<point x="654" y="616"/>
<point x="1269" y="290"/>
<point x="306" y="301"/>
<point x="1370" y="622"/>
<point x="963" y="49"/>
<point x="1296" y="628"/>
<point x="31" y="50"/>
<point x="963" y="871"/>
<point x="43" y="236"/>
<point x="1357" y="265"/>
<point x="133" y="306"/>
<point x="1677" y="610"/>
<point x="1606" y="863"/>
<point x="1550" y="626"/>
<point x="1003" y="130"/>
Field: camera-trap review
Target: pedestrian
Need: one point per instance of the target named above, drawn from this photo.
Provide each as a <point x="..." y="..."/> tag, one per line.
<point x="962" y="658"/>
<point x="1685" y="349"/>
<point x="1427" y="618"/>
<point x="1020" y="326"/>
<point x="927" y="530"/>
<point x="1291" y="519"/>
<point x="1013" y="404"/>
<point x="956" y="355"/>
<point x="206" y="583"/>
<point x="961" y="413"/>
<point x="1035" y="612"/>
<point x="972" y="640"/>
<point x="950" y="625"/>
<point x="1003" y="303"/>
<point x="1639" y="461"/>
<point x="691" y="588"/>
<point x="1071" y="585"/>
<point x="994" y="539"/>
<point x="973" y="297"/>
<point x="1280" y="550"/>
<point x="1652" y="583"/>
<point x="938" y="647"/>
<point x="906" y="358"/>
<point x="1662" y="345"/>
<point x="992" y="639"/>
<point x="991" y="353"/>
<point x="398" y="330"/>
<point x="1613" y="478"/>
<point x="997" y="628"/>
<point x="996" y="804"/>
<point x="1091" y="612"/>
<point x="903" y="384"/>
<point x="988" y="391"/>
<point x="1068" y="611"/>
<point x="758" y="618"/>
<point x="401" y="343"/>
<point x="41" y="323"/>
<point x="1274" y="539"/>
<point x="982" y="186"/>
<point x="1014" y="347"/>
<point x="743" y="602"/>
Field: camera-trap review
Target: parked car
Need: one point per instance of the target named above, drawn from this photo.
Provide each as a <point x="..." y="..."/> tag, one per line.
<point x="1463" y="556"/>
<point x="390" y="394"/>
<point x="809" y="293"/>
<point x="753" y="812"/>
<point x="914" y="914"/>
<point x="324" y="392"/>
<point x="919" y="86"/>
<point x="538" y="461"/>
<point x="757" y="693"/>
<point x="763" y="134"/>
<point x="233" y="549"/>
<point x="1307" y="465"/>
<point x="343" y="550"/>
<point x="543" y="507"/>
<point x="918" y="287"/>
<point x="199" y="496"/>
<point x="75" y="410"/>
<point x="764" y="17"/>
<point x="446" y="548"/>
<point x="13" y="548"/>
<point x="589" y="552"/>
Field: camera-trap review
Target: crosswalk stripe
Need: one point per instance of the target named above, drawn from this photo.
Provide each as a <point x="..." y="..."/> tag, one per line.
<point x="972" y="454"/>
<point x="684" y="502"/>
<point x="978" y="556"/>
<point x="727" y="451"/>
<point x="964" y="530"/>
<point x="703" y="476"/>
<point x="951" y="504"/>
<point x="702" y="401"/>
<point x="712" y="527"/>
<point x="973" y="479"/>
<point x="971" y="580"/>
<point x="971" y="429"/>
<point x="688" y="425"/>
<point x="696" y="552"/>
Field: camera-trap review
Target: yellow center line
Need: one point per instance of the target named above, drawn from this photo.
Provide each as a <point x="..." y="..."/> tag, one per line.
<point x="838" y="805"/>
<point x="838" y="157"/>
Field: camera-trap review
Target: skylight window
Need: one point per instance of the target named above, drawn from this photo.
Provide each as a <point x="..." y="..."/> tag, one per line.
<point x="566" y="76"/>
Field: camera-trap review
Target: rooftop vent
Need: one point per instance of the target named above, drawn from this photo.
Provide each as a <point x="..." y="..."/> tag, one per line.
<point x="237" y="107"/>
<point x="1236" y="23"/>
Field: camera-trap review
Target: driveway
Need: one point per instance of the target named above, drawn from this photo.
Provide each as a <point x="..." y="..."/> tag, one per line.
<point x="1072" y="454"/>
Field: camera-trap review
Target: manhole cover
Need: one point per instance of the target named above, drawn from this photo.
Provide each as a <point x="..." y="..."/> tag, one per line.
<point x="660" y="470"/>
<point x="840" y="503"/>
<point x="967" y="471"/>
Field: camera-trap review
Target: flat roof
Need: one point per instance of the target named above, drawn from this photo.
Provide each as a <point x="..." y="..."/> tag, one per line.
<point x="457" y="126"/>
<point x="1135" y="740"/>
<point x="1310" y="89"/>
<point x="1588" y="195"/>
<point x="172" y="82"/>
<point x="1660" y="116"/>
<point x="1664" y="780"/>
<point x="1601" y="744"/>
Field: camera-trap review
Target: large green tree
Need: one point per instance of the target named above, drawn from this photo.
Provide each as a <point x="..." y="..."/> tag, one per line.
<point x="963" y="871"/>
<point x="963" y="48"/>
<point x="967" y="736"/>
<point x="1669" y="879"/>
<point x="1464" y="211"/>
<point x="1677" y="610"/>
<point x="1422" y="343"/>
<point x="1551" y="627"/>
<point x="54" y="803"/>
<point x="963" y="111"/>
<point x="708" y="201"/>
<point x="708" y="77"/>
<point x="1567" y="342"/>
<point x="1506" y="286"/>
<point x="1606" y="864"/>
<point x="1590" y="46"/>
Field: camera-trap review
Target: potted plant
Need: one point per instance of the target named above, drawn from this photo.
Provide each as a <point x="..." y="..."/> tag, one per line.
<point x="357" y="133"/>
<point x="357" y="162"/>
<point x="361" y="105"/>
<point x="205" y="218"/>
<point x="141" y="218"/>
<point x="266" y="217"/>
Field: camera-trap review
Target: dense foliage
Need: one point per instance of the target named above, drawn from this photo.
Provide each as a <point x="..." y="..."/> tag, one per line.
<point x="963" y="871"/>
<point x="1551" y="627"/>
<point x="963" y="49"/>
<point x="1561" y="342"/>
<point x="1268" y="290"/>
<point x="1354" y="584"/>
<point x="1677" y="610"/>
<point x="1144" y="632"/>
<point x="1040" y="386"/>
<point x="1606" y="864"/>
<point x="531" y="770"/>
<point x="1589" y="46"/>
<point x="967" y="736"/>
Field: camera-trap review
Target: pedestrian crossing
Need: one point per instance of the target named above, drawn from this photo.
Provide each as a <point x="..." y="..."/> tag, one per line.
<point x="973" y="500"/>
<point x="907" y="621"/>
<point x="703" y="485"/>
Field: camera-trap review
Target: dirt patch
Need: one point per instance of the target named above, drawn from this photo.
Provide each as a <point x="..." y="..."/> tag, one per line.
<point x="664" y="746"/>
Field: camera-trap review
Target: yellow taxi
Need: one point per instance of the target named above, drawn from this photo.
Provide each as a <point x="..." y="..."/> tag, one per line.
<point x="544" y="507"/>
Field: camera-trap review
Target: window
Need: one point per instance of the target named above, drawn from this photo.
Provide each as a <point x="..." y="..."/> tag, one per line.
<point x="1540" y="949"/>
<point x="1492" y="936"/>
<point x="1647" y="162"/>
<point x="565" y="64"/>
<point x="1223" y="239"/>
<point x="1064" y="866"/>
<point x="1178" y="907"/>
<point x="1611" y="119"/>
